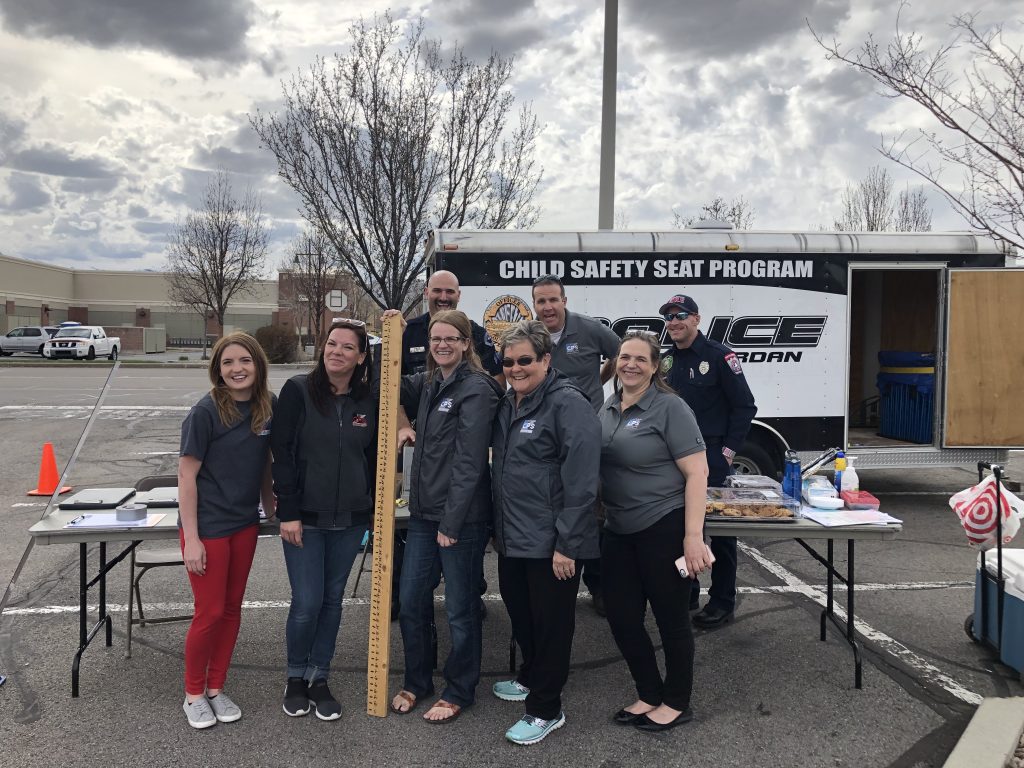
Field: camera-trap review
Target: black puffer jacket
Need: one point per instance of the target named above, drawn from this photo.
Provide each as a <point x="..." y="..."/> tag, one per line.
<point x="544" y="466"/>
<point x="454" y="418"/>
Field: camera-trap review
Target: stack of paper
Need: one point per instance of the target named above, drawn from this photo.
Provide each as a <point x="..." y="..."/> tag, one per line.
<point x="832" y="518"/>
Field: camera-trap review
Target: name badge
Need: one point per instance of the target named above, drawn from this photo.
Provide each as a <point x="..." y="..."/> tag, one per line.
<point x="445" y="405"/>
<point x="528" y="426"/>
<point x="414" y="350"/>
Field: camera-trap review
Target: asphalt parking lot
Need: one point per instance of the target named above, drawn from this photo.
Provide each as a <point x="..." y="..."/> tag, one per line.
<point x="767" y="692"/>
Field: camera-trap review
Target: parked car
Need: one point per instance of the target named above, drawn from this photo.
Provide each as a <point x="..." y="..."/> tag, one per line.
<point x="27" y="338"/>
<point x="79" y="342"/>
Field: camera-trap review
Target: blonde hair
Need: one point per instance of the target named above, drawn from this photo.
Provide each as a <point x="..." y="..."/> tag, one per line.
<point x="262" y="405"/>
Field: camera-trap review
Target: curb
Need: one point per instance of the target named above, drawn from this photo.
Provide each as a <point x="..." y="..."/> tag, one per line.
<point x="991" y="737"/>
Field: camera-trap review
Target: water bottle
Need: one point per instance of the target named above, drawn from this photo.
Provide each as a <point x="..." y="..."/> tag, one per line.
<point x="840" y="468"/>
<point x="791" y="476"/>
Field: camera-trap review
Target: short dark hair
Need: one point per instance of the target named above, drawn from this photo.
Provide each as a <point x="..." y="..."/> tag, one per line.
<point x="548" y="280"/>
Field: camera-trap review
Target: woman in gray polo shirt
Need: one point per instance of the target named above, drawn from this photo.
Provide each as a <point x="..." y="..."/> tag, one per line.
<point x="653" y="483"/>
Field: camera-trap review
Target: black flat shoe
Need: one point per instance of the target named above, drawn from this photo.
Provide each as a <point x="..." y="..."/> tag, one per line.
<point x="644" y="723"/>
<point x="622" y="717"/>
<point x="712" y="618"/>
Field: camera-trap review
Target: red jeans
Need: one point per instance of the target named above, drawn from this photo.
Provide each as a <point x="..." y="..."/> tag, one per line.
<point x="218" y="608"/>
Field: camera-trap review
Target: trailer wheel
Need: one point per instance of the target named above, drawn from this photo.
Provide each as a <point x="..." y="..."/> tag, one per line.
<point x="753" y="459"/>
<point x="969" y="628"/>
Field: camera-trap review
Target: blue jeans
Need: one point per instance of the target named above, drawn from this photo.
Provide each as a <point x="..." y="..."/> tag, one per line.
<point x="425" y="561"/>
<point x="317" y="572"/>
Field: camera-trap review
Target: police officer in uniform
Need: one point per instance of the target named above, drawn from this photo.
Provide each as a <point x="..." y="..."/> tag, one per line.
<point x="578" y="344"/>
<point x="708" y="376"/>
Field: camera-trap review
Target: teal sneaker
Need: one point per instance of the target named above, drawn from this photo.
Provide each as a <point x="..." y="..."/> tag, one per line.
<point x="510" y="690"/>
<point x="530" y="729"/>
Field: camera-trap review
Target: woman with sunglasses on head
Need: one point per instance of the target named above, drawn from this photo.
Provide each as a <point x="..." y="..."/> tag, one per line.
<point x="653" y="484"/>
<point x="546" y="455"/>
<point x="223" y="473"/>
<point x="325" y="447"/>
<point x="450" y="508"/>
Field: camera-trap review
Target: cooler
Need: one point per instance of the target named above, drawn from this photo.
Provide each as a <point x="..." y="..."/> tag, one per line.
<point x="1011" y="643"/>
<point x="906" y="386"/>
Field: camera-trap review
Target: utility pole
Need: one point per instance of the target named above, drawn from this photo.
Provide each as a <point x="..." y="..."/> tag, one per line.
<point x="606" y="194"/>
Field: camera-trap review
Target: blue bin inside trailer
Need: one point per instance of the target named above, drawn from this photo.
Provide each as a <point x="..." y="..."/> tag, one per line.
<point x="906" y="385"/>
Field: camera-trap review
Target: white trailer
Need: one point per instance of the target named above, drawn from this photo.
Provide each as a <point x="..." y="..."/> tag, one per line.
<point x="807" y="314"/>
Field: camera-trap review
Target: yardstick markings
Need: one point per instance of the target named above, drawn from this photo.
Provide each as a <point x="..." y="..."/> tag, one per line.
<point x="377" y="657"/>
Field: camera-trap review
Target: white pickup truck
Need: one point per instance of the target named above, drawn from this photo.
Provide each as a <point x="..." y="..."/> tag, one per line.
<point x="79" y="342"/>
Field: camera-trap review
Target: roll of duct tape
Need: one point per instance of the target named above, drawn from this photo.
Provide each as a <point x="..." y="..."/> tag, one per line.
<point x="131" y="512"/>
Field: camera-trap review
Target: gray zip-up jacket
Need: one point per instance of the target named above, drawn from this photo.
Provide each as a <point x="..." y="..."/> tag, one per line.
<point x="579" y="351"/>
<point x="454" y="420"/>
<point x="544" y="466"/>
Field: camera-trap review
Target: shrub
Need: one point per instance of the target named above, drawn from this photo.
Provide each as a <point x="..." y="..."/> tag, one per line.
<point x="281" y="344"/>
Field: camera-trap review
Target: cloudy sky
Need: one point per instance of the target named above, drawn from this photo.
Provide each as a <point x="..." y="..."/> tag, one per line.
<point x="114" y="112"/>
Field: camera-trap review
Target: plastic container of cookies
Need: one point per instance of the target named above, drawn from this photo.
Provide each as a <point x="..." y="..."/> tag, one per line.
<point x="765" y="505"/>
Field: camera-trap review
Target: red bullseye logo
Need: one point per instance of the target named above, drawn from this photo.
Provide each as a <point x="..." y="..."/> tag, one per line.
<point x="978" y="516"/>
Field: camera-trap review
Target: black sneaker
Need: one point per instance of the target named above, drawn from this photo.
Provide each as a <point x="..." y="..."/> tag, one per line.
<point x="324" y="704"/>
<point x="296" y="700"/>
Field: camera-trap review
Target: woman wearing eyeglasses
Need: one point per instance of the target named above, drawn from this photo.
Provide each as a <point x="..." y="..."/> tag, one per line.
<point x="450" y="508"/>
<point x="324" y="444"/>
<point x="546" y="454"/>
<point x="653" y="484"/>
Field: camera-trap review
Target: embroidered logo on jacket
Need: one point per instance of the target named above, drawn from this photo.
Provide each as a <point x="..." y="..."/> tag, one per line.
<point x="359" y="420"/>
<point x="633" y="423"/>
<point x="446" y="405"/>
<point x="528" y="426"/>
<point x="571" y="349"/>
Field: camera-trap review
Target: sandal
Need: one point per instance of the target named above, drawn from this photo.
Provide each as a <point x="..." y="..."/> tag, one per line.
<point x="454" y="709"/>
<point x="408" y="698"/>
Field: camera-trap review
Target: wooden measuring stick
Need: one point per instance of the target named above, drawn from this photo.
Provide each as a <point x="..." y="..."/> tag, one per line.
<point x="378" y="662"/>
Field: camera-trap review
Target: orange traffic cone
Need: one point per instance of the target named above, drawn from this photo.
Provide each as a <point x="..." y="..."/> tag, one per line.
<point x="48" y="476"/>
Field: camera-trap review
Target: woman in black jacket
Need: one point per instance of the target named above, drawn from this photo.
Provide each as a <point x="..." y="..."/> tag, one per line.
<point x="324" y="444"/>
<point x="450" y="507"/>
<point x="547" y="451"/>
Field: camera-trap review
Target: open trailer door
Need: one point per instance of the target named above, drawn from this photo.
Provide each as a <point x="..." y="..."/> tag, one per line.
<point x="984" y="367"/>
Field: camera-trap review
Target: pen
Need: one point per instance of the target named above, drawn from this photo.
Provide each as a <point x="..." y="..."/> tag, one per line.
<point x="77" y="520"/>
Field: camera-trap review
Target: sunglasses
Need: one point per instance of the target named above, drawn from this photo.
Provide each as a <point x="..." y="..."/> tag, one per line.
<point x="670" y="316"/>
<point x="522" y="362"/>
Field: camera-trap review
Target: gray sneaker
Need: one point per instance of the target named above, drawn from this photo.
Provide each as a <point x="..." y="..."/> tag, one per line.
<point x="199" y="713"/>
<point x="224" y="709"/>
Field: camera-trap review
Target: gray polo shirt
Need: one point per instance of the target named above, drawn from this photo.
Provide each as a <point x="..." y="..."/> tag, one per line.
<point x="640" y="481"/>
<point x="579" y="351"/>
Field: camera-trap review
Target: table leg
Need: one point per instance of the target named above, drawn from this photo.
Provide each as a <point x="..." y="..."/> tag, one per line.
<point x="851" y="583"/>
<point x="83" y="591"/>
<point x="104" y="616"/>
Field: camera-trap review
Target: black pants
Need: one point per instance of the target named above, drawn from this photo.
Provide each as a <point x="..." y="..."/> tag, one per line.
<point x="722" y="593"/>
<point x="639" y="568"/>
<point x="543" y="614"/>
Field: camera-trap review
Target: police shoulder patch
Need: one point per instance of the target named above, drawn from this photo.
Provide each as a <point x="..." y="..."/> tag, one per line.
<point x="734" y="363"/>
<point x="666" y="363"/>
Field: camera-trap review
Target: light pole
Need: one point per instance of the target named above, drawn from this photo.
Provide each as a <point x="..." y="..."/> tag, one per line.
<point x="606" y="194"/>
<point x="309" y="304"/>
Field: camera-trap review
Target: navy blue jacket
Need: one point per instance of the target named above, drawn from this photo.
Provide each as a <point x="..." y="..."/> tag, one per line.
<point x="708" y="376"/>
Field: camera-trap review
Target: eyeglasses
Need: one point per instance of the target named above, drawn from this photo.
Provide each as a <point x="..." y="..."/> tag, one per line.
<point x="522" y="362"/>
<point x="449" y="340"/>
<point x="670" y="316"/>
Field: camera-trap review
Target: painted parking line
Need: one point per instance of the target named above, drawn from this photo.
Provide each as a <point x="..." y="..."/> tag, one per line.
<point x="782" y="589"/>
<point x="925" y="669"/>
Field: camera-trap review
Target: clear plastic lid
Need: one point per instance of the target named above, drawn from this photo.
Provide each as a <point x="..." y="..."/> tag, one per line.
<point x="752" y="481"/>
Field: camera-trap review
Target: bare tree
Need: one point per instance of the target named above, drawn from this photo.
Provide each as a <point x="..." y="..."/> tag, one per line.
<point x="316" y="269"/>
<point x="217" y="252"/>
<point x="912" y="213"/>
<point x="392" y="139"/>
<point x="978" y="106"/>
<point x="739" y="213"/>
<point x="868" y="206"/>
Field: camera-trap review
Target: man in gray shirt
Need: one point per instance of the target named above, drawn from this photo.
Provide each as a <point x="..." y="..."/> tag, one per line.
<point x="578" y="343"/>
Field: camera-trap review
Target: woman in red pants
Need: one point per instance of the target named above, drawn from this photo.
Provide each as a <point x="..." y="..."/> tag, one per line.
<point x="223" y="472"/>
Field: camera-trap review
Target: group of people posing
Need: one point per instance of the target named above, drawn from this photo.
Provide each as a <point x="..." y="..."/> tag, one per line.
<point x="515" y="444"/>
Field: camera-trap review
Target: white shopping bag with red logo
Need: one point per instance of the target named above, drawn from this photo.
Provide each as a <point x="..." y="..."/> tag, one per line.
<point x="976" y="508"/>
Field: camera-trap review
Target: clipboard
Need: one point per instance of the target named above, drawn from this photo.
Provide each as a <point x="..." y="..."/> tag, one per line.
<point x="97" y="498"/>
<point x="158" y="498"/>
